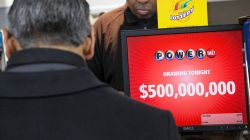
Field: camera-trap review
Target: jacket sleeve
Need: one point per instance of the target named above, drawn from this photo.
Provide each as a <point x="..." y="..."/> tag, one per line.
<point x="173" y="133"/>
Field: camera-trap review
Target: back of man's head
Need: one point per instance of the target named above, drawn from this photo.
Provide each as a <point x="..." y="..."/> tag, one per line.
<point x="53" y="22"/>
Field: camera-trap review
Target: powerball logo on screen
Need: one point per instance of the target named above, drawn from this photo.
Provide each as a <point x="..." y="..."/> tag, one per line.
<point x="181" y="54"/>
<point x="182" y="10"/>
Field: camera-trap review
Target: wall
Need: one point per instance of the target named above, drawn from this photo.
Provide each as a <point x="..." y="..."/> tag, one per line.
<point x="98" y="6"/>
<point x="3" y="12"/>
<point x="227" y="12"/>
<point x="3" y="17"/>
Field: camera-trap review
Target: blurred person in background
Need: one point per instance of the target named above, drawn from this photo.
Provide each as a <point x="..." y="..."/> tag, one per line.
<point x="107" y="61"/>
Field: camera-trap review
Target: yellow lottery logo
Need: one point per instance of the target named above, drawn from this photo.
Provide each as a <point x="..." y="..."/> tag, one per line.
<point x="182" y="10"/>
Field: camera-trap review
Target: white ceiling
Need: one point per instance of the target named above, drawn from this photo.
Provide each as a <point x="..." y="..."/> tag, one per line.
<point x="96" y="6"/>
<point x="5" y="3"/>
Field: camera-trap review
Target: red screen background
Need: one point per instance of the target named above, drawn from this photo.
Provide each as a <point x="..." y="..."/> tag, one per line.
<point x="227" y="65"/>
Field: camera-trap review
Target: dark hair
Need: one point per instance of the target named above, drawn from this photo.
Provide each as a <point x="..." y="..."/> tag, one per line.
<point x="49" y="21"/>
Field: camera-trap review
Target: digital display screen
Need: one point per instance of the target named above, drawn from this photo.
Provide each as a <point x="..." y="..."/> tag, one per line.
<point x="198" y="76"/>
<point x="1" y="43"/>
<point x="246" y="27"/>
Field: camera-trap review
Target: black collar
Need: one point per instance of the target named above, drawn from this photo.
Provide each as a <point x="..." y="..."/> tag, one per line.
<point x="42" y="55"/>
<point x="46" y="83"/>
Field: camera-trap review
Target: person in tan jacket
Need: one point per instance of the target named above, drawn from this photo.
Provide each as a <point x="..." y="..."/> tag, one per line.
<point x="107" y="61"/>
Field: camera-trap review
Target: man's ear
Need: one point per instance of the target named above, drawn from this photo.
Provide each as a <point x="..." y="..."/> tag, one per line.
<point x="11" y="44"/>
<point x="89" y="45"/>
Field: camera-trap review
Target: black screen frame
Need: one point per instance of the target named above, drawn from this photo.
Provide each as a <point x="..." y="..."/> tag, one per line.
<point x="214" y="28"/>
